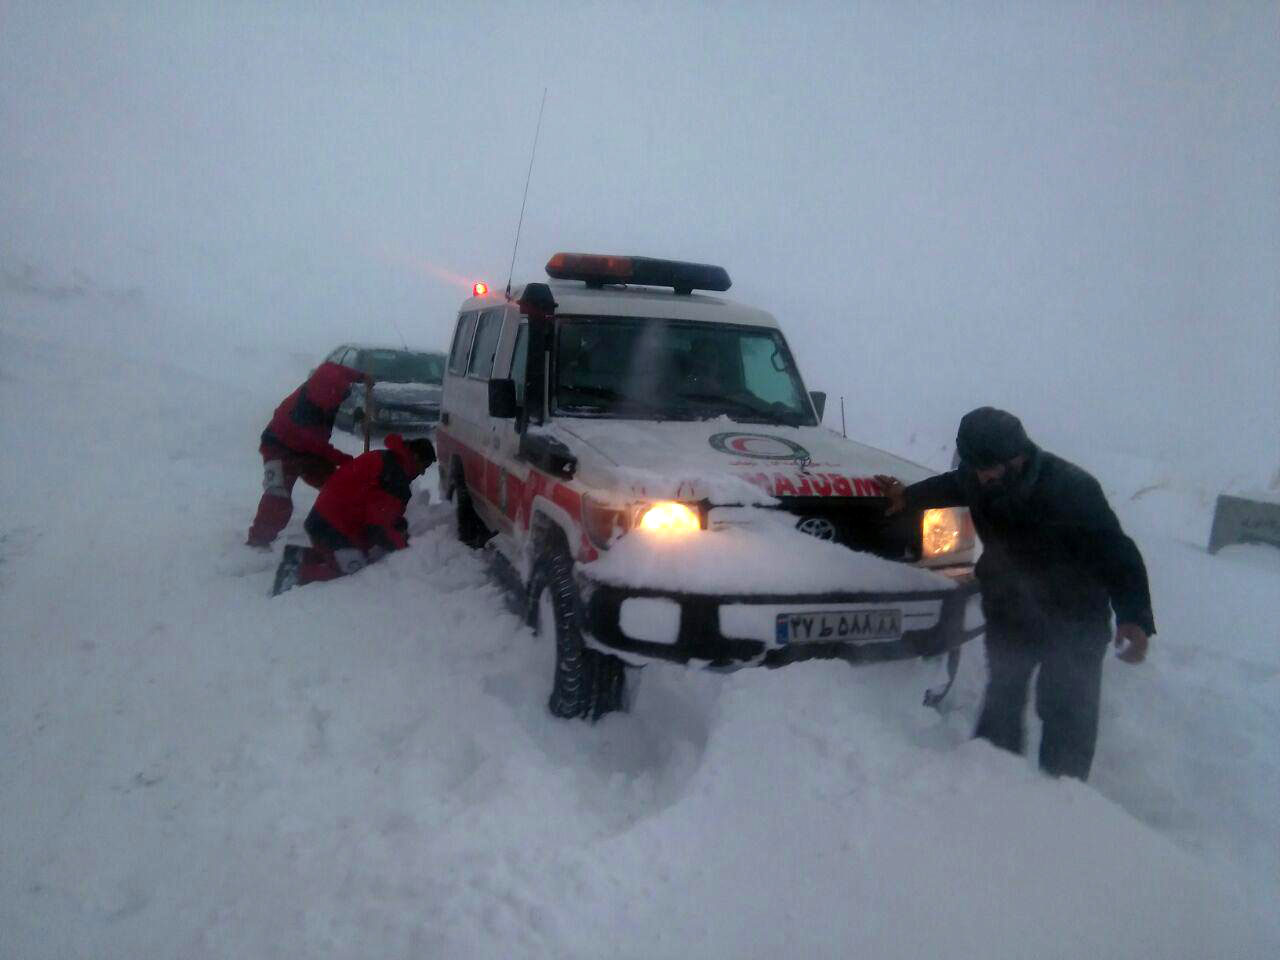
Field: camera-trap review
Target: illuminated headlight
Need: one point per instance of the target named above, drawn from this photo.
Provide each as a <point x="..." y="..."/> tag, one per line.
<point x="946" y="531"/>
<point x="668" y="516"/>
<point x="603" y="523"/>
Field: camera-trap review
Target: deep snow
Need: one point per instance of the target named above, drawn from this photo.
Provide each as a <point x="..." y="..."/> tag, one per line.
<point x="366" y="768"/>
<point x="768" y="554"/>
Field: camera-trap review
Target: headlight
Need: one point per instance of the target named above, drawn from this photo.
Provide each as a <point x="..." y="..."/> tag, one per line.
<point x="603" y="524"/>
<point x="945" y="531"/>
<point x="668" y="516"/>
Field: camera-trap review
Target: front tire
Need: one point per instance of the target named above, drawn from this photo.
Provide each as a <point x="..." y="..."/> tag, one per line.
<point x="586" y="684"/>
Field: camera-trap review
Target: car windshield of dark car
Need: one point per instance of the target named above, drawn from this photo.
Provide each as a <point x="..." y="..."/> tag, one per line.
<point x="398" y="366"/>
<point x="679" y="370"/>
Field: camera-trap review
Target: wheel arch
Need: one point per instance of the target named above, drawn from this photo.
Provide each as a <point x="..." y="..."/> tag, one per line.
<point x="549" y="525"/>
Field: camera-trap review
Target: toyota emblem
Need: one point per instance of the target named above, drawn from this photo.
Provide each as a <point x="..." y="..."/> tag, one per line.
<point x="818" y="527"/>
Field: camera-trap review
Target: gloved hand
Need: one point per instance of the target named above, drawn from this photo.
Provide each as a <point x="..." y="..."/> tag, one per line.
<point x="894" y="491"/>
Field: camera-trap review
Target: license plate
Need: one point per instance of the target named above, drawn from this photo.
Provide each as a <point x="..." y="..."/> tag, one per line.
<point x="848" y="626"/>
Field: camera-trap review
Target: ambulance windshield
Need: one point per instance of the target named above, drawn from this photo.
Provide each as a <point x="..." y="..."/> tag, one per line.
<point x="676" y="370"/>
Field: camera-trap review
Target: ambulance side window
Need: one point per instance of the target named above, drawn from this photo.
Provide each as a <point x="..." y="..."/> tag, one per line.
<point x="486" y="344"/>
<point x="462" y="343"/>
<point x="518" y="357"/>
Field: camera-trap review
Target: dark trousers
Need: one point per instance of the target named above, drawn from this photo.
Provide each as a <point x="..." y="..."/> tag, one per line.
<point x="1068" y="689"/>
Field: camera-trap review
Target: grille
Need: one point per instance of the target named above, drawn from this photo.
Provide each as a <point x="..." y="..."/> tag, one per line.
<point x="859" y="524"/>
<point x="399" y="412"/>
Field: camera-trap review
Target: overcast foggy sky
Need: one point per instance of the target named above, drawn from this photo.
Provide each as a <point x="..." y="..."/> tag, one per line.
<point x="1071" y="210"/>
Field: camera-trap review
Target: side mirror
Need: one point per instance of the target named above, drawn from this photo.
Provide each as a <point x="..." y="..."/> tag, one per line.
<point x="819" y="398"/>
<point x="502" y="399"/>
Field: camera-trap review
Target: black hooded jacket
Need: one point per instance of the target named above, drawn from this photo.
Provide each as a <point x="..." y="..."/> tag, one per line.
<point x="1052" y="546"/>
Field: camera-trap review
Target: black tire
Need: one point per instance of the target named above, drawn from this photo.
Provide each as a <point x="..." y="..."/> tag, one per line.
<point x="586" y="684"/>
<point x="471" y="529"/>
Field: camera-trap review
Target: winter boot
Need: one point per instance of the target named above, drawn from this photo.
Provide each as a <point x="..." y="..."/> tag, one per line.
<point x="287" y="572"/>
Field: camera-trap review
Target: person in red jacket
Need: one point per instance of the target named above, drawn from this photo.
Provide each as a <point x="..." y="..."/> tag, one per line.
<point x="296" y="445"/>
<point x="359" y="516"/>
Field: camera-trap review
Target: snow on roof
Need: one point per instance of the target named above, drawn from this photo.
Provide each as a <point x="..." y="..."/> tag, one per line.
<point x="575" y="297"/>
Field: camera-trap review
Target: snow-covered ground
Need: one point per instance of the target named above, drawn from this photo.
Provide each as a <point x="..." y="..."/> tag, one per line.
<point x="366" y="768"/>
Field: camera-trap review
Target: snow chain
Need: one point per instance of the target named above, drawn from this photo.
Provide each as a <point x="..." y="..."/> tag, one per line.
<point x="587" y="684"/>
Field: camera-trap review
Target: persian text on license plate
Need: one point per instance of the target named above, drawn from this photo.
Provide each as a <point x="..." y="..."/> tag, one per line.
<point x="839" y="625"/>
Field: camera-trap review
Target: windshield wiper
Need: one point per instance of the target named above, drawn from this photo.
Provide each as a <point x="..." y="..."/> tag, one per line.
<point x="756" y="413"/>
<point x="604" y="393"/>
<point x="591" y="407"/>
<point x="614" y="402"/>
<point x="720" y="400"/>
<point x="717" y="399"/>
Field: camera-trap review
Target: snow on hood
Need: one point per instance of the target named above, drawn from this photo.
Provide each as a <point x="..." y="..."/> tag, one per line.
<point x="740" y="560"/>
<point x="726" y="461"/>
<point x="407" y="394"/>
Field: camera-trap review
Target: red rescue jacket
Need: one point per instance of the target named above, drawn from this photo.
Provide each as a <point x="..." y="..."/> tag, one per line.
<point x="365" y="499"/>
<point x="304" y="420"/>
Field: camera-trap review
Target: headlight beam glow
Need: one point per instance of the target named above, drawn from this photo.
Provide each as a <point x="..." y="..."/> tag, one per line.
<point x="670" y="517"/>
<point x="942" y="532"/>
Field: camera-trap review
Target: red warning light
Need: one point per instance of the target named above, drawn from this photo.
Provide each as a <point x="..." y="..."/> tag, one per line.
<point x="479" y="288"/>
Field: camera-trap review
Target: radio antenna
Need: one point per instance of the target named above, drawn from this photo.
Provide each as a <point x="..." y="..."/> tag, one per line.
<point x="398" y="333"/>
<point x="528" y="176"/>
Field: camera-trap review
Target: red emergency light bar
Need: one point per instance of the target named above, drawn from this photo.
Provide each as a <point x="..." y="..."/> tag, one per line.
<point x="598" y="269"/>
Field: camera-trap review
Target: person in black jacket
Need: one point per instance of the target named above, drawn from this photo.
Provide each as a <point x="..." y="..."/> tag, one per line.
<point x="1055" y="564"/>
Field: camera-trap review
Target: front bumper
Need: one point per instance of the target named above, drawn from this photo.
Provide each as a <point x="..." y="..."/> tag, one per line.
<point x="393" y="420"/>
<point x="737" y="631"/>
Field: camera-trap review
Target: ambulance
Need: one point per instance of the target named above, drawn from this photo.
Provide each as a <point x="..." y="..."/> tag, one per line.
<point x="642" y="456"/>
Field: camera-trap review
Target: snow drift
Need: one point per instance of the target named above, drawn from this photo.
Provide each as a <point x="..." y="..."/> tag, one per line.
<point x="366" y="768"/>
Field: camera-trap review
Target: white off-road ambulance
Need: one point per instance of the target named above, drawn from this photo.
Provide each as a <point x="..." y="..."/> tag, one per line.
<point x="647" y="461"/>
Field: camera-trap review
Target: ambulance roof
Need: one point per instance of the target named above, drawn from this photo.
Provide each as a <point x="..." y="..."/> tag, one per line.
<point x="575" y="298"/>
<point x="393" y="347"/>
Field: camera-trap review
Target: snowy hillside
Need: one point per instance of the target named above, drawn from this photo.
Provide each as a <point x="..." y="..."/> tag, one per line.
<point x="366" y="768"/>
